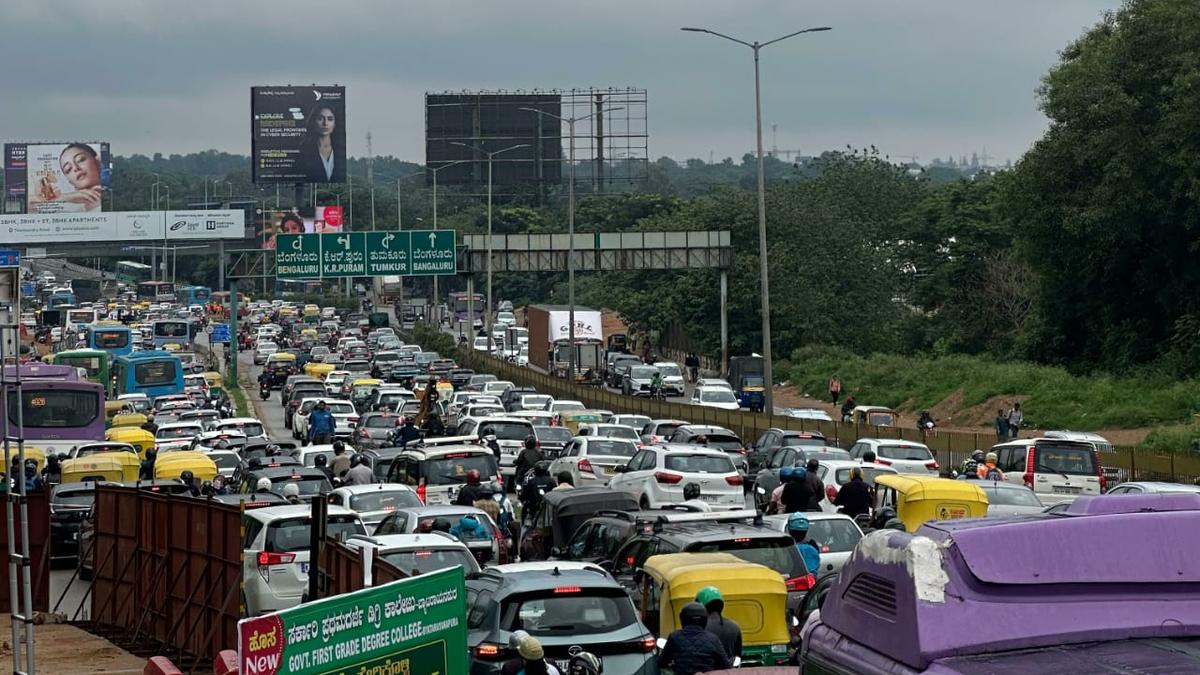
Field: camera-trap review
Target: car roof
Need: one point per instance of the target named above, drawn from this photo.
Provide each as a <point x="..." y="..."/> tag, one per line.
<point x="707" y="531"/>
<point x="288" y="470"/>
<point x="268" y="514"/>
<point x="705" y="429"/>
<point x="1164" y="485"/>
<point x="690" y="448"/>
<point x="544" y="575"/>
<point x="372" y="487"/>
<point x="241" y="420"/>
<point x="403" y="542"/>
<point x="892" y="441"/>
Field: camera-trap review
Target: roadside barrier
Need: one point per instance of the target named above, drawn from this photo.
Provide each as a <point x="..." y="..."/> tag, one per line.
<point x="161" y="665"/>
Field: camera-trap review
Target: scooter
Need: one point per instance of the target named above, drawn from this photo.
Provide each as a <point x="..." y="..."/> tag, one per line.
<point x="264" y="391"/>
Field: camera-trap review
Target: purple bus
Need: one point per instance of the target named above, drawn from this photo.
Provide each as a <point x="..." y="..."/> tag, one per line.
<point x="1109" y="585"/>
<point x="59" y="410"/>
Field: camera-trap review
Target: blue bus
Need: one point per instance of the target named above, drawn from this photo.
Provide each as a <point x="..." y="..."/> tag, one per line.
<point x="153" y="373"/>
<point x="172" y="331"/>
<point x="193" y="295"/>
<point x="60" y="300"/>
<point x="116" y="340"/>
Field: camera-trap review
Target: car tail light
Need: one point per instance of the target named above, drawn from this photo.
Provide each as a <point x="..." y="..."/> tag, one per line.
<point x="566" y="590"/>
<point x="667" y="477"/>
<point x="489" y="651"/>
<point x="802" y="583"/>
<point x="1028" y="477"/>
<point x="932" y="465"/>
<point x="585" y="465"/>
<point x="830" y="493"/>
<point x="741" y="451"/>
<point x="649" y="644"/>
<point x="735" y="479"/>
<point x="362" y="433"/>
<point x="885" y="462"/>
<point x="421" y="491"/>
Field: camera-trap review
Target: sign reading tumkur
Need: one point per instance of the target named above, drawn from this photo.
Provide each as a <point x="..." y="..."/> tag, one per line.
<point x="361" y="254"/>
<point x="413" y="626"/>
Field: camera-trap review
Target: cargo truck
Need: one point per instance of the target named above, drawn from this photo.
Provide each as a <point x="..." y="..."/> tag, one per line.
<point x="549" y="338"/>
<point x="746" y="376"/>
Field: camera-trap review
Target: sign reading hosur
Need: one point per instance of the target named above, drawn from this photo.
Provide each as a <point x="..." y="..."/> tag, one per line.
<point x="413" y="626"/>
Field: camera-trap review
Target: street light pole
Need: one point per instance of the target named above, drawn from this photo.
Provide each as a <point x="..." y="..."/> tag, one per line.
<point x="768" y="369"/>
<point x="487" y="315"/>
<point x="570" y="226"/>
<point x="434" y="309"/>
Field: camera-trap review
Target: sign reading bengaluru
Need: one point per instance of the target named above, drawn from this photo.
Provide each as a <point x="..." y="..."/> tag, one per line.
<point x="358" y="254"/>
<point x="413" y="626"/>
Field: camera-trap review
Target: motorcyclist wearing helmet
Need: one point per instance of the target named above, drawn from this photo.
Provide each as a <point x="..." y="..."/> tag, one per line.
<point x="360" y="471"/>
<point x="534" y="489"/>
<point x="408" y="433"/>
<point x="585" y="663"/>
<point x="469" y="492"/>
<point x="692" y="649"/>
<point x="785" y="477"/>
<point x="970" y="465"/>
<point x="691" y="498"/>
<point x="988" y="469"/>
<point x="529" y="457"/>
<point x="263" y="485"/>
<point x="798" y="529"/>
<point x="797" y="493"/>
<point x="322" y="463"/>
<point x="189" y="479"/>
<point x="725" y="630"/>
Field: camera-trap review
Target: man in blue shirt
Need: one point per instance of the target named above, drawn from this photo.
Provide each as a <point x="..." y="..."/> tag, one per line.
<point x="798" y="528"/>
<point x="320" y="424"/>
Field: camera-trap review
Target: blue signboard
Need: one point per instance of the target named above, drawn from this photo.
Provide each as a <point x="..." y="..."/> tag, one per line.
<point x="10" y="258"/>
<point x="28" y="288"/>
<point x="219" y="334"/>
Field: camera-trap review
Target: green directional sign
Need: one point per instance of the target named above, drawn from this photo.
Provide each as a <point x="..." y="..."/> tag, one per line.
<point x="343" y="254"/>
<point x="387" y="253"/>
<point x="297" y="256"/>
<point x="433" y="252"/>
<point x="362" y="254"/>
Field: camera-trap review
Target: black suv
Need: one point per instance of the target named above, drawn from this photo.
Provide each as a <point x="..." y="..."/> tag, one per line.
<point x="567" y="606"/>
<point x="791" y="455"/>
<point x="310" y="480"/>
<point x="757" y="454"/>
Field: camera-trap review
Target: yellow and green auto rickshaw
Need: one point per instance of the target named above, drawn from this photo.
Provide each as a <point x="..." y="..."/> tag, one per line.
<point x="171" y="464"/>
<point x="920" y="499"/>
<point x="138" y="437"/>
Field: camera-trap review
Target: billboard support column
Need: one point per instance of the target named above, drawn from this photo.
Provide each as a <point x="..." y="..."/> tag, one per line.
<point x="221" y="264"/>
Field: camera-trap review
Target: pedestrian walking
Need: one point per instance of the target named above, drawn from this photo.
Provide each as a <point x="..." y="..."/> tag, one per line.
<point x="835" y="389"/>
<point x="1001" y="426"/>
<point x="1015" y="419"/>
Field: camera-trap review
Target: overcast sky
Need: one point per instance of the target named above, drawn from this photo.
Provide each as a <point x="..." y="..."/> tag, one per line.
<point x="913" y="77"/>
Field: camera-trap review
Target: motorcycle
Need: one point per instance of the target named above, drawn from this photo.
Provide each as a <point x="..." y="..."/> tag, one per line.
<point x="264" y="391"/>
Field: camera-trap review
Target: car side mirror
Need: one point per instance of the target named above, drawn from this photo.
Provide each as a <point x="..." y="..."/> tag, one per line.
<point x="621" y="468"/>
<point x="557" y="552"/>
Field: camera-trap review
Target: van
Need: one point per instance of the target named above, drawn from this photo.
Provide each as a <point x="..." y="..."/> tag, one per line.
<point x="1057" y="470"/>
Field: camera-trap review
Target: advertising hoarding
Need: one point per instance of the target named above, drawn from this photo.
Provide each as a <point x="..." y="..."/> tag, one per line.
<point x="56" y="177"/>
<point x="297" y="221"/>
<point x="132" y="226"/>
<point x="416" y="626"/>
<point x="298" y="134"/>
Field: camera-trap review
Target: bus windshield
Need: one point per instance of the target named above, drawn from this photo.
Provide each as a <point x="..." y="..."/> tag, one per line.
<point x="55" y="408"/>
<point x="151" y="373"/>
<point x="110" y="339"/>
<point x="92" y="364"/>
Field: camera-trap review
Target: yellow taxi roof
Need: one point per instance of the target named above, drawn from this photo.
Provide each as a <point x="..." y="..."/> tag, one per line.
<point x="365" y="381"/>
<point x="683" y="571"/>
<point x="282" y="356"/>
<point x="931" y="487"/>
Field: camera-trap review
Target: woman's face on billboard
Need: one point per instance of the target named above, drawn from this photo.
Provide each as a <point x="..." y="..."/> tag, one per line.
<point x="81" y="168"/>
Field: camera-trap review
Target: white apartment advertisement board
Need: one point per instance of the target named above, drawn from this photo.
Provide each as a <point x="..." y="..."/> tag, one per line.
<point x="64" y="228"/>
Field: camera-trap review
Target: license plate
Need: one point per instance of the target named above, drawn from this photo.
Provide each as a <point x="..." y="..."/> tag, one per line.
<point x="709" y="498"/>
<point x="304" y="568"/>
<point x="1067" y="490"/>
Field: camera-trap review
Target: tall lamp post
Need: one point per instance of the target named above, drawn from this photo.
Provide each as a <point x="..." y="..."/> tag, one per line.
<point x="768" y="374"/>
<point x="487" y="314"/>
<point x="434" y="171"/>
<point x="570" y="223"/>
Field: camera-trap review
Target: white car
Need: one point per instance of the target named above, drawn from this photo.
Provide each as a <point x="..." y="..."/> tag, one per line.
<point x="834" y="473"/>
<point x="593" y="460"/>
<point x="610" y="431"/>
<point x="807" y="414"/>
<point x="497" y="387"/>
<point x="558" y="406"/>
<point x="275" y="562"/>
<point x="264" y="350"/>
<point x="672" y="377"/>
<point x="505" y="318"/>
<point x="334" y="380"/>
<point x="715" y="397"/>
<point x="713" y="382"/>
<point x="373" y="502"/>
<point x="416" y="553"/>
<point x="176" y="435"/>
<point x="482" y="344"/>
<point x="251" y="426"/>
<point x="510" y="433"/>
<point x="307" y="455"/>
<point x="835" y="533"/>
<point x="638" y="422"/>
<point x="903" y="456"/>
<point x="345" y="418"/>
<point x="656" y="476"/>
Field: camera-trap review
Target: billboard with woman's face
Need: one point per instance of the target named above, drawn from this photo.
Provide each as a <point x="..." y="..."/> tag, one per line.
<point x="298" y="221"/>
<point x="298" y="134"/>
<point x="55" y="177"/>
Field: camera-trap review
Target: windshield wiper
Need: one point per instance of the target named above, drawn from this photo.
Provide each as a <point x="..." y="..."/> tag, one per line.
<point x="1043" y="467"/>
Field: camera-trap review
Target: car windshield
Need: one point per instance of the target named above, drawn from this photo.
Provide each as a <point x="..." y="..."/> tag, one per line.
<point x="779" y="554"/>
<point x="686" y="463"/>
<point x="73" y="497"/>
<point x="248" y="428"/>
<point x="611" y="448"/>
<point x="717" y="396"/>
<point x="292" y="534"/>
<point x="430" y="560"/>
<point x="177" y="432"/>
<point x="452" y="469"/>
<point x="380" y="422"/>
<point x="570" y="611"/>
<point x="1068" y="460"/>
<point x="914" y="453"/>
<point x="1018" y="496"/>
<point x="642" y="372"/>
<point x="384" y="500"/>
<point x="833" y="535"/>
<point x="506" y="431"/>
<point x="552" y="434"/>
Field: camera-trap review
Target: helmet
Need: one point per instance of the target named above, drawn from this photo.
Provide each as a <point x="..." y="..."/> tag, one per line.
<point x="977" y="455"/>
<point x="797" y="522"/>
<point x="338" y="447"/>
<point x="799" y="473"/>
<point x="585" y="663"/>
<point x="264" y="484"/>
<point x="691" y="491"/>
<point x="894" y="524"/>
<point x="693" y="614"/>
<point x="785" y="474"/>
<point x="473" y="477"/>
<point x="992" y="457"/>
<point x="530" y="442"/>
<point x="187" y="476"/>
<point x="708" y="595"/>
<point x="291" y="490"/>
<point x="320" y="460"/>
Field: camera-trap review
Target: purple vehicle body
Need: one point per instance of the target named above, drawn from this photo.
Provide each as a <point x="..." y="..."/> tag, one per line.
<point x="1113" y="580"/>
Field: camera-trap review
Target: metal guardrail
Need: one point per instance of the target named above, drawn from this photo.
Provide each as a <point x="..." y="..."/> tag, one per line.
<point x="949" y="447"/>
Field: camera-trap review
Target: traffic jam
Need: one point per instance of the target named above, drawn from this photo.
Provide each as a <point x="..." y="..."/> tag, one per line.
<point x="600" y="540"/>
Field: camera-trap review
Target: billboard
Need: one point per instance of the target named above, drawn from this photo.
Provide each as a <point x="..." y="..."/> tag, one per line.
<point x="56" y="177"/>
<point x="123" y="226"/>
<point x="298" y="134"/>
<point x="493" y="122"/>
<point x="297" y="221"/>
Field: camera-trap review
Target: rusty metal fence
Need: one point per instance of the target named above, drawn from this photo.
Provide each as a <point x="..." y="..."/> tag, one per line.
<point x="341" y="569"/>
<point x="39" y="552"/>
<point x="949" y="447"/>
<point x="167" y="570"/>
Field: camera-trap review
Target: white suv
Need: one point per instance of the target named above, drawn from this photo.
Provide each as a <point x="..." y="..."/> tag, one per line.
<point x="656" y="476"/>
<point x="1057" y="470"/>
<point x="275" y="548"/>
<point x="903" y="456"/>
<point x="593" y="460"/>
<point x="416" y="553"/>
<point x="345" y="418"/>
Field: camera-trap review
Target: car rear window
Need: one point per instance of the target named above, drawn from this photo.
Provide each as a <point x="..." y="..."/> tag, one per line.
<point x="570" y="610"/>
<point x="292" y="534"/>
<point x="74" y="497"/>
<point x="430" y="560"/>
<point x="686" y="463"/>
<point x="248" y="428"/>
<point x="225" y="460"/>
<point x="1071" y="460"/>
<point x="666" y="429"/>
<point x="869" y="474"/>
<point x="789" y="441"/>
<point x="507" y="431"/>
<point x="908" y="452"/>
<point x="452" y="469"/>
<point x="1017" y="497"/>
<point x="724" y="442"/>
<point x="308" y="486"/>
<point x="611" y="448"/>
<point x="381" y="421"/>
<point x="384" y="500"/>
<point x="833" y="535"/>
<point x="553" y="434"/>
<point x="779" y="554"/>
